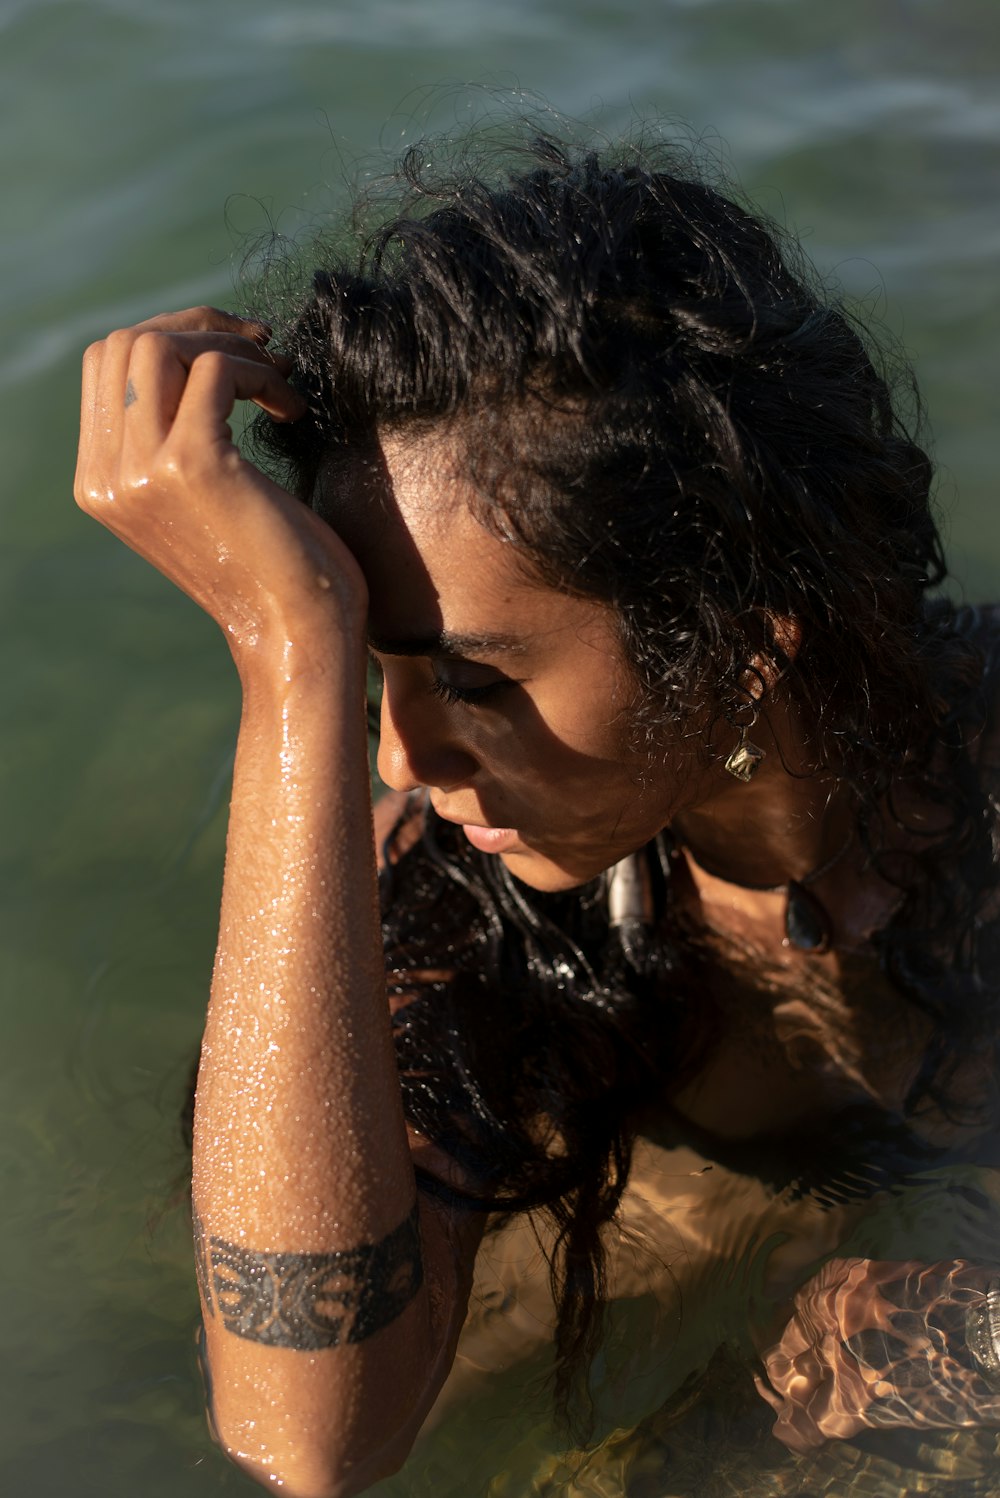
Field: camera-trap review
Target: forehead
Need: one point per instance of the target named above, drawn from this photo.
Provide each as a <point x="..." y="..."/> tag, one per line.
<point x="406" y="512"/>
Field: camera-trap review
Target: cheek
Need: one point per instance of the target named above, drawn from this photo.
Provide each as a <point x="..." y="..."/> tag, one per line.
<point x="579" y="752"/>
<point x="588" y="728"/>
<point x="586" y="714"/>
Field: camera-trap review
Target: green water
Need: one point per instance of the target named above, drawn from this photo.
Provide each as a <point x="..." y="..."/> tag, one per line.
<point x="143" y="141"/>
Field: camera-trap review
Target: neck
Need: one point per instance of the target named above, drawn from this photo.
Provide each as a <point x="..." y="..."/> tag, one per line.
<point x="781" y="825"/>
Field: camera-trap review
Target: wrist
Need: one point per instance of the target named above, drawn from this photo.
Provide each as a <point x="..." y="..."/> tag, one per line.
<point x="324" y="644"/>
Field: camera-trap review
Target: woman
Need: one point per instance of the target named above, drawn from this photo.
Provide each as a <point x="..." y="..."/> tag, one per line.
<point x="691" y="824"/>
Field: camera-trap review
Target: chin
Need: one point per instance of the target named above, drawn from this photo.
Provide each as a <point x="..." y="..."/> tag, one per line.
<point x="548" y="876"/>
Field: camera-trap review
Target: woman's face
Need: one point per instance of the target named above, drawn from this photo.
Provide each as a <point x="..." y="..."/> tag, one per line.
<point x="508" y="700"/>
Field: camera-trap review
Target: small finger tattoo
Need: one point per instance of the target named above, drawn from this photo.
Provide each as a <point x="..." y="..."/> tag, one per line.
<point x="130" y="394"/>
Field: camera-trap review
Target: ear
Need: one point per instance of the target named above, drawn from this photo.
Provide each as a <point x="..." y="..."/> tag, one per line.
<point x="782" y="640"/>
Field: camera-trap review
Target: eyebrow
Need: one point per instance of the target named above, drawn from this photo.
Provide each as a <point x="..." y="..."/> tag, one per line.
<point x="446" y="642"/>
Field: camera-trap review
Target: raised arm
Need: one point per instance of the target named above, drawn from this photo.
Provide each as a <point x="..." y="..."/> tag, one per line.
<point x="332" y="1297"/>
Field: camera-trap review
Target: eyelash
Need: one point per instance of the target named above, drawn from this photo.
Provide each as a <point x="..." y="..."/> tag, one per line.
<point x="448" y="692"/>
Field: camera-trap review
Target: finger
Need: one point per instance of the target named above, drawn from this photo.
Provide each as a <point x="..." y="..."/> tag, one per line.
<point x="794" y="1340"/>
<point x="205" y="320"/>
<point x="89" y="379"/>
<point x="105" y="382"/>
<point x="800" y="1439"/>
<point x="157" y="373"/>
<point x="105" y="392"/>
<point x="216" y="382"/>
<point x="190" y="343"/>
<point x="768" y="1395"/>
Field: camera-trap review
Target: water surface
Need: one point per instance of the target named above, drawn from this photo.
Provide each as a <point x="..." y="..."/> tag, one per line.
<point x="144" y="141"/>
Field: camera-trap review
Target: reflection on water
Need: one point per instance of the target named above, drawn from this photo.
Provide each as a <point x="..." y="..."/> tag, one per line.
<point x="716" y="1444"/>
<point x="704" y="1275"/>
<point x="129" y="123"/>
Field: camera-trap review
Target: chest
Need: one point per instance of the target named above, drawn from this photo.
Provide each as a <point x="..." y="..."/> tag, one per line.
<point x="775" y="1060"/>
<point x="789" y="1035"/>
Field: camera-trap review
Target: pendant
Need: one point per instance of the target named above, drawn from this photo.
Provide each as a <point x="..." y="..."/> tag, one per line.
<point x="807" y="924"/>
<point x="744" y="760"/>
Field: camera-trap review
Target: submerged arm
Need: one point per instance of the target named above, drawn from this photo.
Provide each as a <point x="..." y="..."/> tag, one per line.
<point x="878" y="1345"/>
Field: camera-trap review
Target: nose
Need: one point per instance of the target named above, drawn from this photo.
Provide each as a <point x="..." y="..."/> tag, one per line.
<point x="417" y="744"/>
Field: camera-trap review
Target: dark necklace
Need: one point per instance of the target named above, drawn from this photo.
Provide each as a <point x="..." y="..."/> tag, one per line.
<point x="807" y="925"/>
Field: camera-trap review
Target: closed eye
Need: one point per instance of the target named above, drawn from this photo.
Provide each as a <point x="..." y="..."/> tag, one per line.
<point x="450" y="691"/>
<point x="454" y="680"/>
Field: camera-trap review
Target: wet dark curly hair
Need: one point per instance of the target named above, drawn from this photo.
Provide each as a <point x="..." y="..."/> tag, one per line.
<point x="662" y="413"/>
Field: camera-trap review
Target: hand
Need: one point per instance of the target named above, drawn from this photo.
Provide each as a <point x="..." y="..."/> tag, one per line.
<point x="157" y="465"/>
<point x="875" y="1345"/>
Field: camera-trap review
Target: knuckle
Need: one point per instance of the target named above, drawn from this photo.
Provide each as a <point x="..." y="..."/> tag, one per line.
<point x="88" y="495"/>
<point x="215" y="318"/>
<point x="149" y="343"/>
<point x="179" y="466"/>
<point x="212" y="362"/>
<point x="137" y="481"/>
<point x="120" y="340"/>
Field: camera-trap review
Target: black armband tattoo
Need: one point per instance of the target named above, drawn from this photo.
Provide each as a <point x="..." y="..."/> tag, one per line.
<point x="311" y="1301"/>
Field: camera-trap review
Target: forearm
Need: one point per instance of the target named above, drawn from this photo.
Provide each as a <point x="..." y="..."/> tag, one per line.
<point x="327" y="1331"/>
<point x="300" y="1145"/>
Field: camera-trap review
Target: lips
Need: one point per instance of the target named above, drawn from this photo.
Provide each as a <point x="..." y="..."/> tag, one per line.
<point x="490" y="839"/>
<point x="486" y="839"/>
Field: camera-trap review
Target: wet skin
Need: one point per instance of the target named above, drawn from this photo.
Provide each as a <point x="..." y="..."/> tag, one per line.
<point x="513" y="703"/>
<point x="509" y="700"/>
<point x="528" y="730"/>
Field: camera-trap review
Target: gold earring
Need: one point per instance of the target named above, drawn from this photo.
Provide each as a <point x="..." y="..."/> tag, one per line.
<point x="744" y="762"/>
